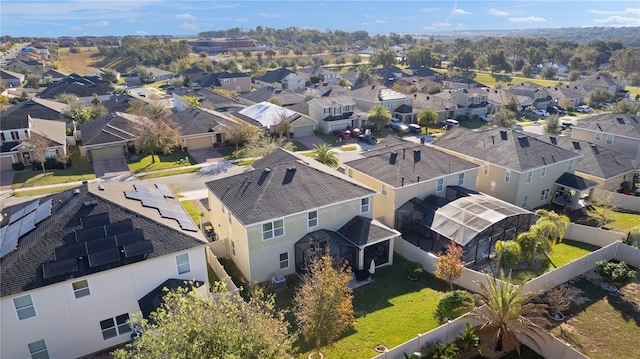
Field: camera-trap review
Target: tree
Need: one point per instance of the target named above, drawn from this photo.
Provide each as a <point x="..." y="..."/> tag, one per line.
<point x="503" y="118"/>
<point x="156" y="132"/>
<point x="508" y="253"/>
<point x="454" y="304"/>
<point x="379" y="116"/>
<point x="509" y="318"/>
<point x="145" y="75"/>
<point x="560" y="298"/>
<point x="39" y="147"/>
<point x="241" y="133"/>
<point x="283" y="128"/>
<point x="193" y="325"/>
<point x="109" y="76"/>
<point x="427" y="117"/>
<point x="275" y="100"/>
<point x="527" y="70"/>
<point x="190" y="101"/>
<point x="595" y="96"/>
<point x="548" y="72"/>
<point x="512" y="105"/>
<point x="633" y="237"/>
<point x="323" y="302"/>
<point x="549" y="227"/>
<point x="626" y="107"/>
<point x="574" y="75"/>
<point x="600" y="210"/>
<point x="552" y="125"/>
<point x="33" y="82"/>
<point x="450" y="265"/>
<point x="325" y="155"/>
<point x="464" y="59"/>
<point x="263" y="146"/>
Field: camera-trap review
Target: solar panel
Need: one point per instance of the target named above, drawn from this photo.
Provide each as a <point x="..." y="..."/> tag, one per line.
<point x="16" y="216"/>
<point x="24" y="211"/>
<point x="145" y="189"/>
<point x="95" y="220"/>
<point x="180" y="215"/>
<point x="154" y="203"/>
<point x="187" y="225"/>
<point x="138" y="249"/>
<point x="119" y="227"/>
<point x="101" y="244"/>
<point x="58" y="268"/>
<point x="165" y="190"/>
<point x="129" y="237"/>
<point x="71" y="251"/>
<point x="10" y="242"/>
<point x="44" y="211"/>
<point x="88" y="234"/>
<point x="131" y="195"/>
<point x="151" y="196"/>
<point x="31" y="207"/>
<point x="27" y="223"/>
<point x="3" y="233"/>
<point x="101" y="258"/>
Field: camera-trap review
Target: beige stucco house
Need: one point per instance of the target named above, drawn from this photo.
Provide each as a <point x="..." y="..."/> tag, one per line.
<point x="201" y="128"/>
<point x="619" y="132"/>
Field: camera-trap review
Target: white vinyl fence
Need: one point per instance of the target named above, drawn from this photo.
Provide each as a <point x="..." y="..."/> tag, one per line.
<point x="218" y="269"/>
<point x="622" y="201"/>
<point x="592" y="235"/>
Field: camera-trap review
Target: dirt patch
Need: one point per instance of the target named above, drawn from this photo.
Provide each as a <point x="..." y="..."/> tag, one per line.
<point x="82" y="63"/>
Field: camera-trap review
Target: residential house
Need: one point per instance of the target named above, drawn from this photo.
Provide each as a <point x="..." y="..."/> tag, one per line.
<point x="461" y="82"/>
<point x="53" y="76"/>
<point x="158" y="74"/>
<point x="231" y="81"/>
<point x="368" y="96"/>
<point x="201" y="128"/>
<point x="619" y="132"/>
<point x="118" y="102"/>
<point x="540" y="95"/>
<point x="103" y="70"/>
<point x="82" y="265"/>
<point x="284" y="78"/>
<point x="390" y="75"/>
<point x="273" y="217"/>
<point x="267" y="116"/>
<point x="266" y="93"/>
<point x="84" y="88"/>
<point x="12" y="79"/>
<point x="472" y="102"/>
<point x="516" y="167"/>
<point x="424" y="73"/>
<point x="17" y="142"/>
<point x="319" y="72"/>
<point x="24" y="65"/>
<point x="613" y="85"/>
<point x="218" y="102"/>
<point x="223" y="45"/>
<point x="335" y="113"/>
<point x="109" y="137"/>
<point x="440" y="103"/>
<point x="401" y="170"/>
<point x="567" y="95"/>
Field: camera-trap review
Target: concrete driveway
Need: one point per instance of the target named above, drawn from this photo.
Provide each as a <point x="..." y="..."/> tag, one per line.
<point x="206" y="155"/>
<point x="309" y="141"/>
<point x="6" y="180"/>
<point x="111" y="167"/>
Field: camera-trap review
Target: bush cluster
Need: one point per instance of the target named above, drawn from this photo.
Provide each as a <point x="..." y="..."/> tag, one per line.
<point x="50" y="164"/>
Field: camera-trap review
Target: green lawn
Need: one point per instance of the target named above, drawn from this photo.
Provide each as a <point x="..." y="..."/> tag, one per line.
<point x="192" y="210"/>
<point x="80" y="170"/>
<point x="170" y="173"/>
<point x="472" y="124"/>
<point x="172" y="160"/>
<point x="39" y="191"/>
<point x="623" y="221"/>
<point x="561" y="254"/>
<point x="299" y="146"/>
<point x="490" y="80"/>
<point x="226" y="151"/>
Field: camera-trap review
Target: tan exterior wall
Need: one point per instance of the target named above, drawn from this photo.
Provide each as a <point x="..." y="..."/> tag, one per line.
<point x="626" y="145"/>
<point x="243" y="82"/>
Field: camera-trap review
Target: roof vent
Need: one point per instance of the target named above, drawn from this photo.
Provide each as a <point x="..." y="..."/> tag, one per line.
<point x="553" y="140"/>
<point x="620" y="120"/>
<point x="267" y="169"/>
<point x="576" y="145"/>
<point x="393" y="157"/>
<point x="402" y="181"/>
<point x="503" y="135"/>
<point x="524" y="141"/>
<point x="416" y="155"/>
<point x="595" y="149"/>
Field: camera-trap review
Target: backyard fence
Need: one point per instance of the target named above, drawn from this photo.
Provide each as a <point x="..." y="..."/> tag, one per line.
<point x="218" y="248"/>
<point x="592" y="235"/>
<point x="622" y="201"/>
<point x="218" y="269"/>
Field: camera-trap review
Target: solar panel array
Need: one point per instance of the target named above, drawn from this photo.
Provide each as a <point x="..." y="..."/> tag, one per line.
<point x="155" y="198"/>
<point x="22" y="222"/>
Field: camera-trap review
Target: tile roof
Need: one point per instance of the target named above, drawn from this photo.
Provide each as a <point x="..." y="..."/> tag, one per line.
<point x="21" y="270"/>
<point x="362" y="231"/>
<point x="198" y="120"/>
<point x="17" y="116"/>
<point x="283" y="189"/>
<point x="618" y="124"/>
<point x="403" y="163"/>
<point x="503" y="147"/>
<point x="114" y="127"/>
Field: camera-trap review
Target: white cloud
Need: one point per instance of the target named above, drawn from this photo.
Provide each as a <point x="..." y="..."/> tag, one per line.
<point x="496" y="12"/>
<point x="98" y="24"/>
<point x="441" y="24"/>
<point x="459" y="26"/>
<point x="273" y="16"/>
<point x="381" y="21"/>
<point x="188" y="26"/>
<point x="629" y="10"/>
<point x="619" y="21"/>
<point x="460" y="12"/>
<point x="184" y="17"/>
<point x="365" y="24"/>
<point x="76" y="28"/>
<point x="527" y="19"/>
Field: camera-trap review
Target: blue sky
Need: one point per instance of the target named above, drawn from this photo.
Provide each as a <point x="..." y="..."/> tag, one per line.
<point x="184" y="17"/>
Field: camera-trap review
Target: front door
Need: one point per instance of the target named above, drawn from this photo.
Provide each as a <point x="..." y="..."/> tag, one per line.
<point x="26" y="158"/>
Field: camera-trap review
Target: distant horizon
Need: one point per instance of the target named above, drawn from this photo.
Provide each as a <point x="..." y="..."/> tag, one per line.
<point x="74" y="18"/>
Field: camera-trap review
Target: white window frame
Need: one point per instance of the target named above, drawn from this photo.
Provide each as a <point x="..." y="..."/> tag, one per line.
<point x="274" y="231"/>
<point x="82" y="290"/>
<point x="439" y="184"/>
<point x="384" y="189"/>
<point x="507" y="176"/>
<point x="529" y="176"/>
<point x="485" y="170"/>
<point x="544" y="194"/>
<point x="284" y="261"/>
<point x="609" y="140"/>
<point x="40" y="351"/>
<point x="312" y="221"/>
<point x="118" y="326"/>
<point x="525" y="202"/>
<point x="350" y="172"/>
<point x="238" y="88"/>
<point x="598" y="136"/>
<point x="364" y="205"/>
<point x="461" y="179"/>
<point x="229" y="216"/>
<point x="233" y="248"/>
<point x="543" y="171"/>
<point x="570" y="167"/>
<point x="25" y="308"/>
<point x="182" y="265"/>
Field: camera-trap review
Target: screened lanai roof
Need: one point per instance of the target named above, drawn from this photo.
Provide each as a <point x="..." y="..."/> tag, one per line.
<point x="464" y="218"/>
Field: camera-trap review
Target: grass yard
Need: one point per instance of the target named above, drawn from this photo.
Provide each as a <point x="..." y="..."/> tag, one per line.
<point x="299" y="146"/>
<point x="623" y="221"/>
<point x="472" y="124"/>
<point x="605" y="325"/>
<point x="633" y="91"/>
<point x="561" y="254"/>
<point x="169" y="173"/>
<point x="192" y="211"/>
<point x="82" y="63"/>
<point x="80" y="170"/>
<point x="172" y="160"/>
<point x="39" y="191"/>
<point x="490" y="80"/>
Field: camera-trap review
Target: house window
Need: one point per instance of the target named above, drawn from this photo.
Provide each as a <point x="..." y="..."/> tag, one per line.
<point x="543" y="171"/>
<point x="440" y="185"/>
<point x="233" y="248"/>
<point x="229" y="217"/>
<point x="2" y="136"/>
<point x="284" y="260"/>
<point x="461" y="179"/>
<point x="544" y="195"/>
<point x="507" y="176"/>
<point x="15" y="135"/>
<point x="272" y="229"/>
<point x="226" y="81"/>
<point x="609" y="140"/>
<point x="384" y="189"/>
<point x="24" y="307"/>
<point x="598" y="136"/>
<point x="38" y="350"/>
<point x="81" y="289"/>
<point x="529" y="176"/>
<point x="486" y="169"/>
<point x="364" y="205"/>
<point x="570" y="168"/>
<point x="114" y="327"/>
<point x="182" y="261"/>
<point x="350" y="172"/>
<point x="312" y="218"/>
<point x="525" y="201"/>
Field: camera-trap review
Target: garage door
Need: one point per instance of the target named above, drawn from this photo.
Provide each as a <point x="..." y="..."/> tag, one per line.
<point x="5" y="163"/>
<point x="199" y="142"/>
<point x="107" y="153"/>
<point x="302" y="131"/>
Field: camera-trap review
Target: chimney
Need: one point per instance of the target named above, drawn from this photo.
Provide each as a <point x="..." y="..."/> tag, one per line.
<point x="416" y="155"/>
<point x="503" y="135"/>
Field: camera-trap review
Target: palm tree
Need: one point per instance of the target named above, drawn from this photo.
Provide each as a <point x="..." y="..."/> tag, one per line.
<point x="505" y="326"/>
<point x="427" y="117"/>
<point x="325" y="155"/>
<point x="379" y="116"/>
<point x="551" y="227"/>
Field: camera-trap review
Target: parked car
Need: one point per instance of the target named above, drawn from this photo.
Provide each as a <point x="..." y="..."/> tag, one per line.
<point x="415" y="129"/>
<point x="605" y="105"/>
<point x="485" y="117"/>
<point x="368" y="138"/>
<point x="402" y="128"/>
<point x="208" y="229"/>
<point x="355" y="132"/>
<point x="394" y="123"/>
<point x="583" y="109"/>
<point x="344" y="134"/>
<point x="451" y="123"/>
<point x="542" y="113"/>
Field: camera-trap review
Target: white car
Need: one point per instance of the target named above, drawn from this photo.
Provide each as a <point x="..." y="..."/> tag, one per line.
<point x="583" y="109"/>
<point x="484" y="118"/>
<point x="542" y="113"/>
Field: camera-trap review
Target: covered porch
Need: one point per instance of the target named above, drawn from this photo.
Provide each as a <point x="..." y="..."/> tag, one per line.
<point x="573" y="191"/>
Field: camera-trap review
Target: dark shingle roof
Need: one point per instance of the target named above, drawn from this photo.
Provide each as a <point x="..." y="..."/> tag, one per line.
<point x="114" y="127"/>
<point x="279" y="156"/>
<point x="21" y="270"/>
<point x="504" y="147"/>
<point x="17" y="116"/>
<point x="77" y="85"/>
<point x="576" y="182"/>
<point x="391" y="164"/>
<point x="197" y="120"/>
<point x="266" y="92"/>
<point x="281" y="190"/>
<point x="119" y="103"/>
<point x="361" y="231"/>
<point x="618" y="124"/>
<point x="275" y="75"/>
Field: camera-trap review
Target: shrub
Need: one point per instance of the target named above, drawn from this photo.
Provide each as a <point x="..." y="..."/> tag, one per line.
<point x="413" y="269"/>
<point x="50" y="164"/>
<point x="454" y="304"/>
<point x="633" y="237"/>
<point x="615" y="273"/>
<point x="18" y="166"/>
<point x="440" y="350"/>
